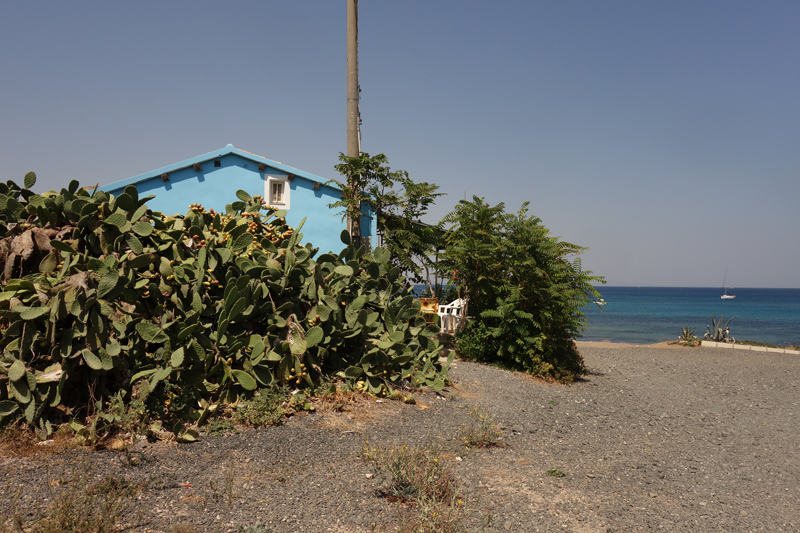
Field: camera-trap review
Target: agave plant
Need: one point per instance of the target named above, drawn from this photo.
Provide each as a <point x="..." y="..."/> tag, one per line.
<point x="687" y="335"/>
<point x="716" y="332"/>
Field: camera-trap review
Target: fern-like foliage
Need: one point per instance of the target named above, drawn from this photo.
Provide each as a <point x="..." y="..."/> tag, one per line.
<point x="525" y="287"/>
<point x="397" y="203"/>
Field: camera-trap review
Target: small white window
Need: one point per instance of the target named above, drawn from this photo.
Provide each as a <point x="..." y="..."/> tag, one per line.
<point x="276" y="191"/>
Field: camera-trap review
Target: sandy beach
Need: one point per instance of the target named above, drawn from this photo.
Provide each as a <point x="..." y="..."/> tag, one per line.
<point x="608" y="344"/>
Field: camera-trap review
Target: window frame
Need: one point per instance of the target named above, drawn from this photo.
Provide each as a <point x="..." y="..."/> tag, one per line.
<point x="269" y="180"/>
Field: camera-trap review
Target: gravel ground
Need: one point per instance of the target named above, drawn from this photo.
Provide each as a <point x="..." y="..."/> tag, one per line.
<point x="653" y="438"/>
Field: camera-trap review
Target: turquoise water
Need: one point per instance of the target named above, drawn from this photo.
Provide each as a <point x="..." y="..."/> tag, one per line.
<point x="646" y="315"/>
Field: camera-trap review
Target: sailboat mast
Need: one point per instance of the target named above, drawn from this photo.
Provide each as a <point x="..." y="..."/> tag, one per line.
<point x="725" y="294"/>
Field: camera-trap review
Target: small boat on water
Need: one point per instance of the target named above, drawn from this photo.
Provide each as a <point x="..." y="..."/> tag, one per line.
<point x="600" y="303"/>
<point x="725" y="294"/>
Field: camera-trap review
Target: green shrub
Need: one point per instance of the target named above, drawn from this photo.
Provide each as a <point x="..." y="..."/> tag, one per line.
<point x="523" y="293"/>
<point x="264" y="409"/>
<point x="101" y="296"/>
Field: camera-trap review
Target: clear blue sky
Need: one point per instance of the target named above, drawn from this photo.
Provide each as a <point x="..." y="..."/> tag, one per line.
<point x="661" y="135"/>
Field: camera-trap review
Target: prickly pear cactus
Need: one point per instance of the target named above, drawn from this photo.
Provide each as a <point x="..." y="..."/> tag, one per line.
<point x="102" y="297"/>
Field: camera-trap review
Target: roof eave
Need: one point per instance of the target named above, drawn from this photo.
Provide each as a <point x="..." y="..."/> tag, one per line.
<point x="216" y="154"/>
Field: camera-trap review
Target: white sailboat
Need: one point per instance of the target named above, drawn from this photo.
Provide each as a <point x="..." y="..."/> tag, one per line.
<point x="725" y="294"/>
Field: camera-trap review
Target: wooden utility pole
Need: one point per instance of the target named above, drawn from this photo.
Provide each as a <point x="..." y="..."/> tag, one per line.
<point x="353" y="116"/>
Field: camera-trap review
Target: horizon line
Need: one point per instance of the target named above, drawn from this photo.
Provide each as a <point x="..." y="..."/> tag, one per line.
<point x="692" y="287"/>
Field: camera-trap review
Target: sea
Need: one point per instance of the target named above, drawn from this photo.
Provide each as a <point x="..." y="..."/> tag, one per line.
<point x="647" y="315"/>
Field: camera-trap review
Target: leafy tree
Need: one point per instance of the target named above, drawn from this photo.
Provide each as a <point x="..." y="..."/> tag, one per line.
<point x="523" y="291"/>
<point x="371" y="185"/>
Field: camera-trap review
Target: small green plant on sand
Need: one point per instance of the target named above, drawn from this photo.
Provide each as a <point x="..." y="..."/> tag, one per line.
<point x="555" y="472"/>
<point x="482" y="432"/>
<point x="410" y="473"/>
<point x="220" y="426"/>
<point x="264" y="409"/>
<point x="300" y="402"/>
<point x="687" y="337"/>
<point x="225" y="491"/>
<point x="421" y="478"/>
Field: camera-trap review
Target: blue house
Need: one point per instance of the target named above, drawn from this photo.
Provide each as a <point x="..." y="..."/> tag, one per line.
<point x="212" y="180"/>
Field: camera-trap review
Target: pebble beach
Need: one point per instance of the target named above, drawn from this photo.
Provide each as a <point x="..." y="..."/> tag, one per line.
<point x="654" y="438"/>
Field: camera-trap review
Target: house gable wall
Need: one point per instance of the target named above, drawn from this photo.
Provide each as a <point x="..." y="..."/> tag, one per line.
<point x="214" y="187"/>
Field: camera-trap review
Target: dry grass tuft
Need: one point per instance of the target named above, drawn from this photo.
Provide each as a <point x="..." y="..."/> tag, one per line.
<point x="79" y="503"/>
<point x="352" y="411"/>
<point x="21" y="441"/>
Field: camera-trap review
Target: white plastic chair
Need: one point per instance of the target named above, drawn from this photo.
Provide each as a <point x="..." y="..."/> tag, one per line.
<point x="452" y="315"/>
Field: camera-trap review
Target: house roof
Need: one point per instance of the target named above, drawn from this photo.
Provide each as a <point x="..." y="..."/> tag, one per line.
<point x="210" y="156"/>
